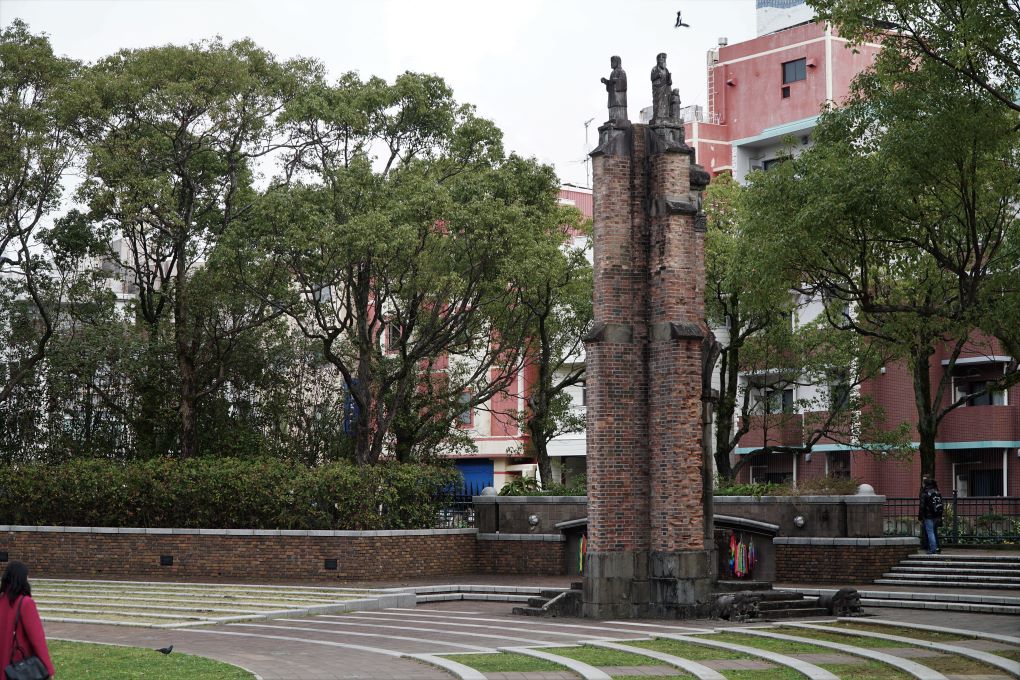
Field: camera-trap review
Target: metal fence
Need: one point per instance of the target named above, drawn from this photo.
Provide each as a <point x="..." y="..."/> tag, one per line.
<point x="971" y="520"/>
<point x="458" y="511"/>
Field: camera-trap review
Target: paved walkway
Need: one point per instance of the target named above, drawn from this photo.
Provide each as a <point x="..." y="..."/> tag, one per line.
<point x="368" y="644"/>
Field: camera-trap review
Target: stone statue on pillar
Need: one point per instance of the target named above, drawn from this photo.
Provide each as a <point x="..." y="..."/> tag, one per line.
<point x="674" y="106"/>
<point x="616" y="86"/>
<point x="662" y="81"/>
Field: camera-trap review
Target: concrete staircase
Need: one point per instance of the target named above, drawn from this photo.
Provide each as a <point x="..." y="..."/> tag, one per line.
<point x="998" y="572"/>
<point x="555" y="602"/>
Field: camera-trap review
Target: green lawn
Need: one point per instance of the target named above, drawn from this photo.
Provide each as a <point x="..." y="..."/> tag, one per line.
<point x="686" y="650"/>
<point x="597" y="656"/>
<point x="916" y="633"/>
<point x="106" y="662"/>
<point x="504" y="663"/>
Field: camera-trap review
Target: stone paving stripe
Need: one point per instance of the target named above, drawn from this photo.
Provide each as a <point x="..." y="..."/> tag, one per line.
<point x="939" y="629"/>
<point x="445" y="611"/>
<point x="698" y="670"/>
<point x="359" y="623"/>
<point x="327" y="643"/>
<point x="542" y="622"/>
<point x="1000" y="662"/>
<point x="459" y="645"/>
<point x="809" y="669"/>
<point x="473" y="624"/>
<point x="584" y="670"/>
<point x="460" y="670"/>
<point x="911" y="667"/>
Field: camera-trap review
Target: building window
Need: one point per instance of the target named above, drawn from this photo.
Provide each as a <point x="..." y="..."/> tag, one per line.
<point x="839" y="390"/>
<point x="778" y="401"/>
<point x="767" y="165"/>
<point x="839" y="464"/>
<point x="982" y="396"/>
<point x="794" y="70"/>
<point x="466" y="414"/>
<point x="786" y="92"/>
<point x="391" y="336"/>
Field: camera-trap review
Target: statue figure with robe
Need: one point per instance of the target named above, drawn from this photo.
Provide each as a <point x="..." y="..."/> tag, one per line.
<point x="616" y="87"/>
<point x="662" y="83"/>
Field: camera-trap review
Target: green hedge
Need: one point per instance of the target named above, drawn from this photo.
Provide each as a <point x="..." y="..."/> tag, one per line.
<point x="224" y="493"/>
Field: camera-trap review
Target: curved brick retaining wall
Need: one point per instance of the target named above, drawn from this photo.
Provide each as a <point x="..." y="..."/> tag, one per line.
<point x="267" y="555"/>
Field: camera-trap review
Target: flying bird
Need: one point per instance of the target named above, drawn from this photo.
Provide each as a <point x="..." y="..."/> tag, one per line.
<point x="165" y="650"/>
<point x="680" y="22"/>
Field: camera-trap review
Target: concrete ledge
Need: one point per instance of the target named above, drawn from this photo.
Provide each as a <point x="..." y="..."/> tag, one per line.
<point x="458" y="670"/>
<point x="869" y="542"/>
<point x="723" y="500"/>
<point x="547" y="538"/>
<point x="749" y="524"/>
<point x="571" y="523"/>
<point x="169" y="531"/>
<point x="579" y="667"/>
<point x="482" y="500"/>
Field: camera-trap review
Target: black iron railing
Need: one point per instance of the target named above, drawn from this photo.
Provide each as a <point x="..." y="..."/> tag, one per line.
<point x="458" y="511"/>
<point x="971" y="520"/>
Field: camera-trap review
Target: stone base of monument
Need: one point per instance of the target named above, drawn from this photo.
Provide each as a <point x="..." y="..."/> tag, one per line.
<point x="615" y="138"/>
<point x="639" y="584"/>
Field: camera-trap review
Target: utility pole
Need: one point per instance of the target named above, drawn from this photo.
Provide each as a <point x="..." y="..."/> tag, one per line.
<point x="587" y="158"/>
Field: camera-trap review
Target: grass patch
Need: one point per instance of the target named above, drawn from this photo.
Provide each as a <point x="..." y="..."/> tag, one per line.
<point x="1013" y="654"/>
<point x="768" y="644"/>
<point x="686" y="650"/>
<point x="655" y="677"/>
<point x="778" y="673"/>
<point x="597" y="656"/>
<point x="504" y="663"/>
<point x="872" y="670"/>
<point x="105" y="662"/>
<point x="842" y="638"/>
<point x="928" y="635"/>
<point x="958" y="665"/>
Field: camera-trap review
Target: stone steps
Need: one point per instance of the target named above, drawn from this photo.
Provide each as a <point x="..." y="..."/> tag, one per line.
<point x="925" y="598"/>
<point x="955" y="571"/>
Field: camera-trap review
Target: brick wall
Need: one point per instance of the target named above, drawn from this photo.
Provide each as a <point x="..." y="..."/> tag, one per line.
<point x="838" y="564"/>
<point x="541" y="558"/>
<point x="59" y="552"/>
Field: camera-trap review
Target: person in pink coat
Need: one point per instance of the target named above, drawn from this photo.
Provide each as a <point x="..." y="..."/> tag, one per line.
<point x="15" y="592"/>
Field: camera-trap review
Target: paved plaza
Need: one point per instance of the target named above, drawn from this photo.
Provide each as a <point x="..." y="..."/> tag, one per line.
<point x="374" y="643"/>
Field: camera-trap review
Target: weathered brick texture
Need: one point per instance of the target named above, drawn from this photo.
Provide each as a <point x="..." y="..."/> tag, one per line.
<point x="837" y="564"/>
<point x="275" y="558"/>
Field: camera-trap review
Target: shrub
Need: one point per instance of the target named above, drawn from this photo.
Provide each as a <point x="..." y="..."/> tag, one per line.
<point x="822" y="486"/>
<point x="224" y="493"/>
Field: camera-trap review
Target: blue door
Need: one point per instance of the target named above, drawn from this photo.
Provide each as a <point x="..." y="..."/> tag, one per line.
<point x="477" y="474"/>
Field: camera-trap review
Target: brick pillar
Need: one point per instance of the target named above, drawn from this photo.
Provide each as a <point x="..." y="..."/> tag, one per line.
<point x="647" y="552"/>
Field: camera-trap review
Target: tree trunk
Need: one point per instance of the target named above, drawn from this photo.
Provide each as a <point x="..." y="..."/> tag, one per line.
<point x="540" y="445"/>
<point x="726" y="408"/>
<point x="927" y="421"/>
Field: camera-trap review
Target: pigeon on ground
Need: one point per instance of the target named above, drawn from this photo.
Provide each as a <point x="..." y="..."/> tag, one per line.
<point x="165" y="650"/>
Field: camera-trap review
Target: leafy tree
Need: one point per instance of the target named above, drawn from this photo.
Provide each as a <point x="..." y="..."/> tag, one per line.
<point x="171" y="170"/>
<point x="558" y="297"/>
<point x="771" y="341"/>
<point x="38" y="117"/>
<point x="979" y="39"/>
<point x="403" y="225"/>
<point x="904" y="214"/>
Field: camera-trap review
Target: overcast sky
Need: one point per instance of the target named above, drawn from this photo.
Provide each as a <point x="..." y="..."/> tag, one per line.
<point x="533" y="66"/>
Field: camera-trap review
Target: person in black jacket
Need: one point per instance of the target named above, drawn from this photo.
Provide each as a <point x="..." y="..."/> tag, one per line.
<point x="930" y="512"/>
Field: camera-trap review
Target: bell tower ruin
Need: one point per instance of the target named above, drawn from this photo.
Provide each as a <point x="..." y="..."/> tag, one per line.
<point x="650" y="549"/>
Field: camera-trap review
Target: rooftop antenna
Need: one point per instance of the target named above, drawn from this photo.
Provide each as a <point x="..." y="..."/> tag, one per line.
<point x="587" y="158"/>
